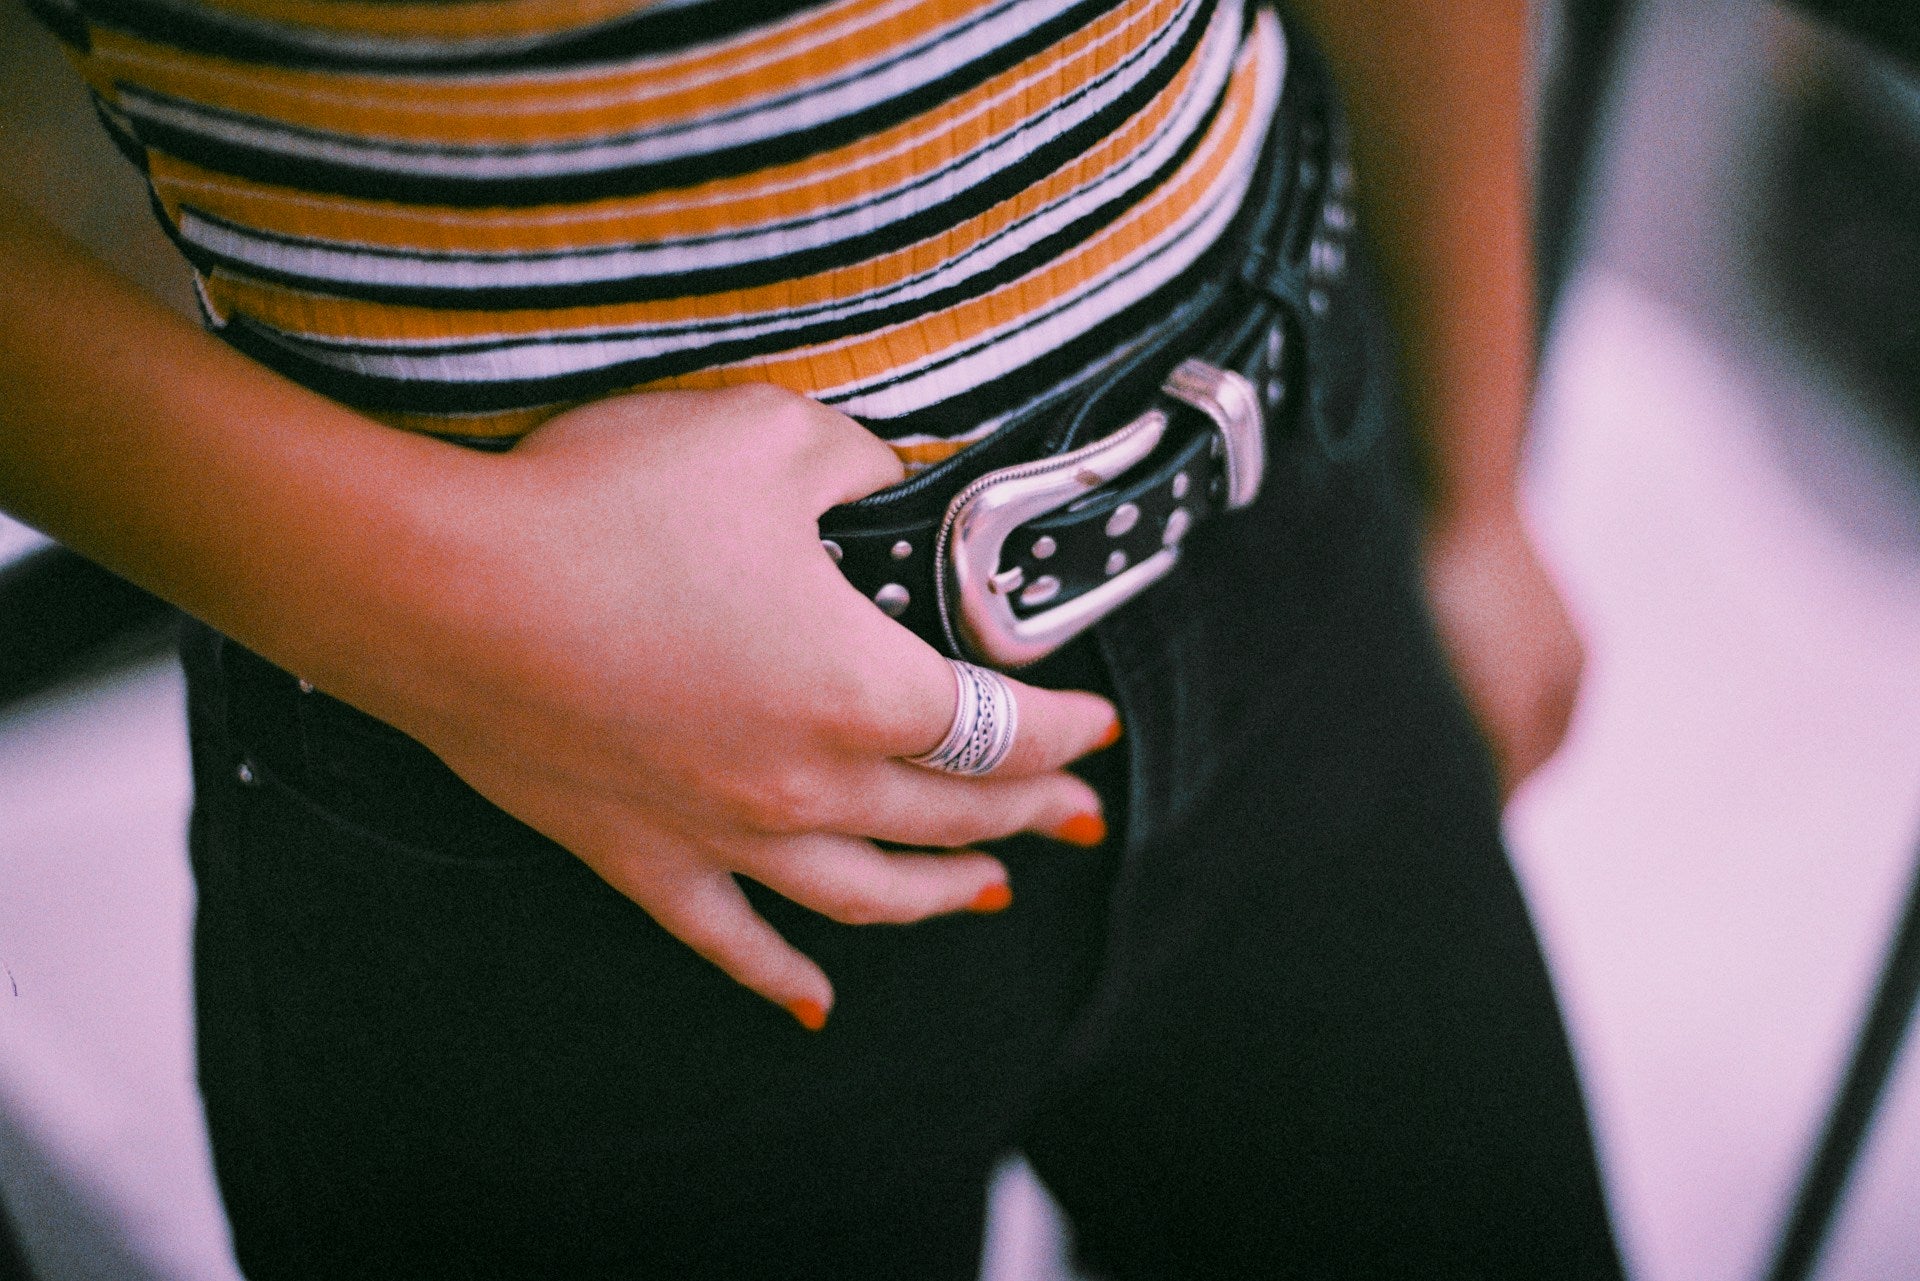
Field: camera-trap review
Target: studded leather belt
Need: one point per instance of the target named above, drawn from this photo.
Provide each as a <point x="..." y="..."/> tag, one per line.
<point x="1016" y="545"/>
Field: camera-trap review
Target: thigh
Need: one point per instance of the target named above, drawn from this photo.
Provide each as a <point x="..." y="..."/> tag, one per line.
<point x="433" y="1044"/>
<point x="1325" y="1043"/>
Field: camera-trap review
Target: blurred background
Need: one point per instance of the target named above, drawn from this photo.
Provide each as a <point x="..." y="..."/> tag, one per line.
<point x="1725" y="472"/>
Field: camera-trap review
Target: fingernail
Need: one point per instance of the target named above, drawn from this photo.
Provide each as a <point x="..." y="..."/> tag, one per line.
<point x="811" y="1015"/>
<point x="1082" y="829"/>
<point x="995" y="898"/>
<point x="1109" y="738"/>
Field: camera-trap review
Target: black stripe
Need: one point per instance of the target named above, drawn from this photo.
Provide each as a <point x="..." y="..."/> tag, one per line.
<point x="335" y="177"/>
<point x="401" y="147"/>
<point x="375" y="393"/>
<point x="960" y="413"/>
<point x="926" y="223"/>
<point x="1214" y="276"/>
<point x="204" y="29"/>
<point x="1068" y="236"/>
<point x="871" y="201"/>
<point x="1857" y="1100"/>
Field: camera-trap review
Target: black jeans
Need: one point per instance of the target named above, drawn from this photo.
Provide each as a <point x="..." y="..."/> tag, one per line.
<point x="1292" y="1021"/>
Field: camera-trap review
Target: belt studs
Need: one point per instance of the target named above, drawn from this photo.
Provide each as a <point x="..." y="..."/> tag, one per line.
<point x="893" y="599"/>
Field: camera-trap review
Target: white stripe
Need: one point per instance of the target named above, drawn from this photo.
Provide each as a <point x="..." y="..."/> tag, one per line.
<point x="325" y="264"/>
<point x="359" y="46"/>
<point x="679" y="141"/>
<point x="659" y="74"/>
<point x="996" y="356"/>
<point x="1218" y="50"/>
<point x="612" y="211"/>
<point x="536" y="357"/>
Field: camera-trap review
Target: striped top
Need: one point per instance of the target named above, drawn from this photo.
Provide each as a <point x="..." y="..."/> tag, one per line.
<point x="463" y="216"/>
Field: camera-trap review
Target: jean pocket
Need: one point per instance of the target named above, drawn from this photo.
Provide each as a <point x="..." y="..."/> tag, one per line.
<point x="345" y="770"/>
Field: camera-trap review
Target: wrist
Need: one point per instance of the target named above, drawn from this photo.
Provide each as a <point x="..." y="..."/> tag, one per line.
<point x="377" y="575"/>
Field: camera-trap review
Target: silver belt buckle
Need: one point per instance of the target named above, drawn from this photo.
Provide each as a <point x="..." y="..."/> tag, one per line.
<point x="977" y="596"/>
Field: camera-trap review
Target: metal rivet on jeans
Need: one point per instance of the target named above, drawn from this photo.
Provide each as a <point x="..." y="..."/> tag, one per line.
<point x="902" y="549"/>
<point x="244" y="772"/>
<point x="1044" y="546"/>
<point x="894" y="599"/>
<point x="306" y="686"/>
<point x="1116" y="562"/>
<point x="1124" y="517"/>
<point x="833" y="549"/>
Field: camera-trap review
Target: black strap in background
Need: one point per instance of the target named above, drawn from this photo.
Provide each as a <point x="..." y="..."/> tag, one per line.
<point x="1572" y="98"/>
<point x="1851" y="1115"/>
<point x="62" y="616"/>
<point x="1891" y="26"/>
<point x="13" y="1259"/>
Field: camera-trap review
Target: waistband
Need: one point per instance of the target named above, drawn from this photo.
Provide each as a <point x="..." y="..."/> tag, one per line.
<point x="1004" y="552"/>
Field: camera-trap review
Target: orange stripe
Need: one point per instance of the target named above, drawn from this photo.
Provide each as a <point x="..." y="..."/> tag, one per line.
<point x="876" y="164"/>
<point x="522" y="109"/>
<point x="466" y="20"/>
<point x="299" y="312"/>
<point x="811" y="371"/>
<point x="818" y="369"/>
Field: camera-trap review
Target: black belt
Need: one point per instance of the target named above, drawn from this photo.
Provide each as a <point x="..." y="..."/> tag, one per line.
<point x="1017" y="544"/>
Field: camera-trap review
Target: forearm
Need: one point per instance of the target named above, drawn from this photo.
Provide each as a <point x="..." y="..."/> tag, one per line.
<point x="1436" y="92"/>
<point x="280" y="517"/>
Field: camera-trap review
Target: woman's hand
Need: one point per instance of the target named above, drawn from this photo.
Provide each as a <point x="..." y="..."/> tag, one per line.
<point x="647" y="656"/>
<point x="1514" y="649"/>
<point x="625" y="631"/>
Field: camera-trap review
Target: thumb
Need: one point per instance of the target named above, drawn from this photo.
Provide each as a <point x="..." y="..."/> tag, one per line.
<point x="843" y="461"/>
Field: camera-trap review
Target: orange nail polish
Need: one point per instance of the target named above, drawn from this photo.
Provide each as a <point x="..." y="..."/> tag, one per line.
<point x="1109" y="738"/>
<point x="995" y="898"/>
<point x="1082" y="829"/>
<point x="811" y="1015"/>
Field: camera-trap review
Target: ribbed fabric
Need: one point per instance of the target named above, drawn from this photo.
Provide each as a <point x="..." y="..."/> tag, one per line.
<point x="464" y="217"/>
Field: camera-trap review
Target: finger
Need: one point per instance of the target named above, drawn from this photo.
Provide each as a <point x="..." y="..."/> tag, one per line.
<point x="856" y="883"/>
<point x="902" y="698"/>
<point x="908" y="805"/>
<point x="704" y="908"/>
<point x="846" y="461"/>
<point x="1053" y="727"/>
<point x="1058" y="726"/>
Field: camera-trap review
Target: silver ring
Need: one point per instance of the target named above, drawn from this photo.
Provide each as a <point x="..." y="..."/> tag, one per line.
<point x="984" y="723"/>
